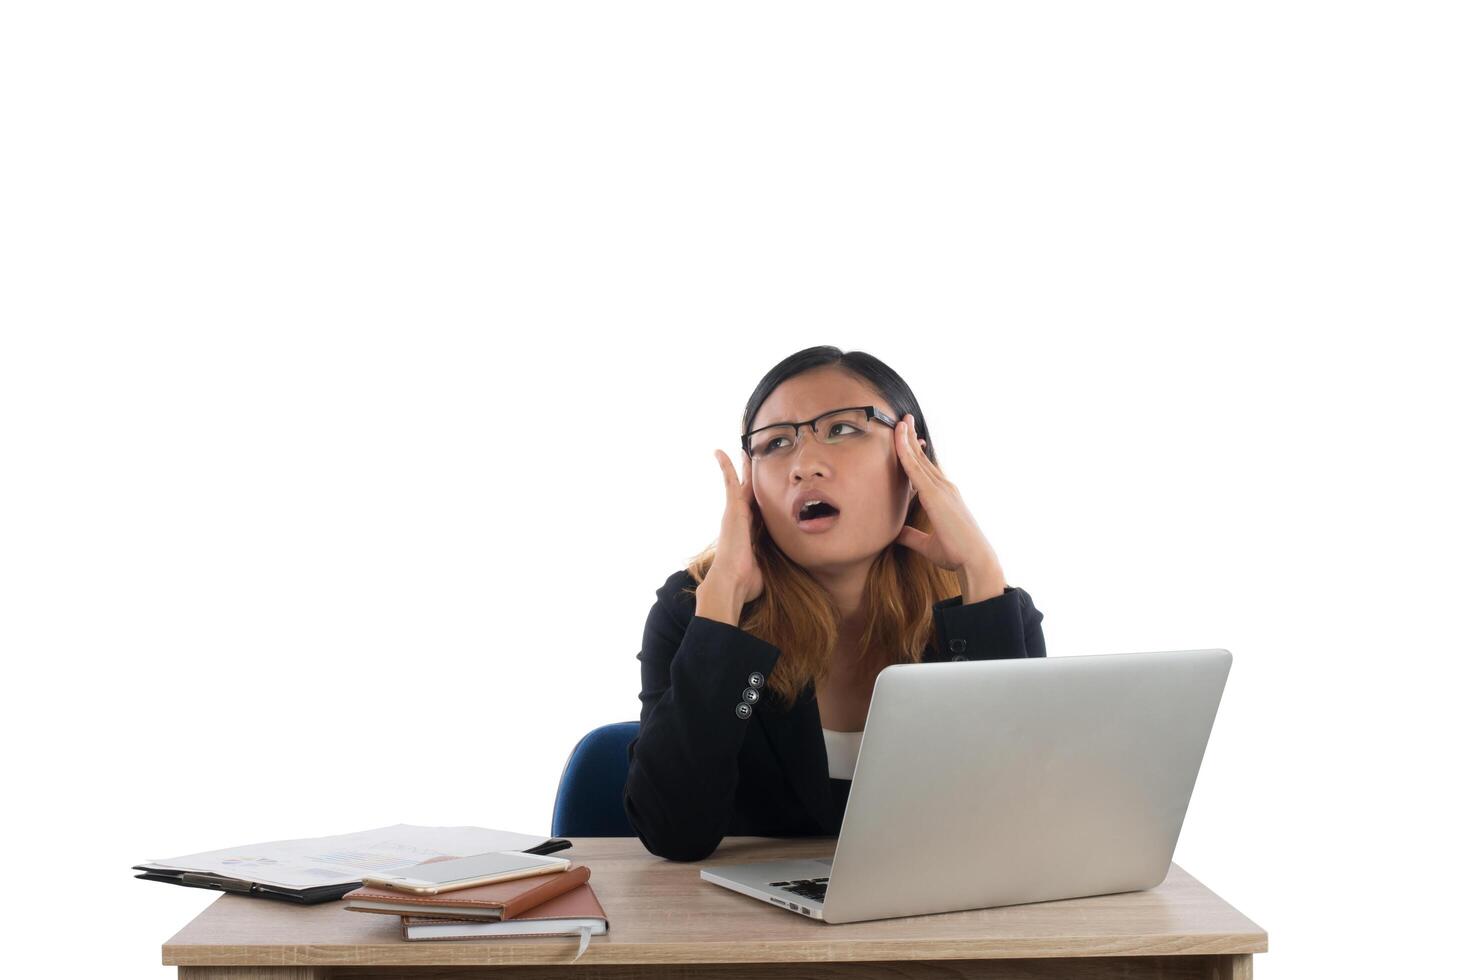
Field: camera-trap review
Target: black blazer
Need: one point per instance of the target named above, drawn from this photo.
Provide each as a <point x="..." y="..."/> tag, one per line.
<point x="717" y="755"/>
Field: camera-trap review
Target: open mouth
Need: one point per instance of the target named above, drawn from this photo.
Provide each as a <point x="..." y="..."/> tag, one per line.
<point x="815" y="511"/>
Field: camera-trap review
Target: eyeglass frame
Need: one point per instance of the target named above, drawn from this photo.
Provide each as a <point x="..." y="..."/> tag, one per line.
<point x="871" y="410"/>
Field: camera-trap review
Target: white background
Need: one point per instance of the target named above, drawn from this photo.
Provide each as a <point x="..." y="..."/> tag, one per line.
<point x="364" y="363"/>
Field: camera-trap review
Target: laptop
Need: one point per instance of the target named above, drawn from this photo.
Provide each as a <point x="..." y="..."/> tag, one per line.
<point x="1002" y="782"/>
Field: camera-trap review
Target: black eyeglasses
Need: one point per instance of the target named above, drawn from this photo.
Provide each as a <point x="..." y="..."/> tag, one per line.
<point x="766" y="441"/>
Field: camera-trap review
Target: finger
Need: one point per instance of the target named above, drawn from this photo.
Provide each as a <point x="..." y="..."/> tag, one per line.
<point x="919" y="466"/>
<point x="726" y="467"/>
<point x="916" y="453"/>
<point x="905" y="458"/>
<point x="901" y="444"/>
<point x="748" y="484"/>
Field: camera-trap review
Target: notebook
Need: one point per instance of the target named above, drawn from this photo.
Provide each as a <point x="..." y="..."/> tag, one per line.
<point x="575" y="913"/>
<point x="495" y="901"/>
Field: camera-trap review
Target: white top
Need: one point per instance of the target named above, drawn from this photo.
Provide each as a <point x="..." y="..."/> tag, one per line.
<point x="841" y="752"/>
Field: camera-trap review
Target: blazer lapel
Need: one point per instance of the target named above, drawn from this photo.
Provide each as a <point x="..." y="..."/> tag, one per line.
<point x="795" y="735"/>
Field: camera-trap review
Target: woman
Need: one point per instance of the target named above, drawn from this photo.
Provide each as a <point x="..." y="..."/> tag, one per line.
<point x="759" y="659"/>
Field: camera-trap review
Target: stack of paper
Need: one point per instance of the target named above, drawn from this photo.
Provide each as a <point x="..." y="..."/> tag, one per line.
<point x="322" y="869"/>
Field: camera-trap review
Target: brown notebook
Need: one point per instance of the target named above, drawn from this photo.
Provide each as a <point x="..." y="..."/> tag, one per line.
<point x="497" y="900"/>
<point x="575" y="913"/>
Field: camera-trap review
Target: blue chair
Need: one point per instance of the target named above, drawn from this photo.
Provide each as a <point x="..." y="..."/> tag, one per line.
<point x="589" y="796"/>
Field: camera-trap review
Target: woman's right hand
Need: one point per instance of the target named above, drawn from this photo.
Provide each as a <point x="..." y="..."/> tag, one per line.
<point x="735" y="573"/>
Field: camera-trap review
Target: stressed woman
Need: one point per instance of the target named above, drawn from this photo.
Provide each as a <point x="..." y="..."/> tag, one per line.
<point x="843" y="549"/>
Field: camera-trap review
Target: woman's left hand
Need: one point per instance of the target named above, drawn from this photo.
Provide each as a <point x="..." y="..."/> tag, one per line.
<point x="956" y="543"/>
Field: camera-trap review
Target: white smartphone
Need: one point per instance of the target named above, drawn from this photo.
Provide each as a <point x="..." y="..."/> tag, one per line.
<point x="466" y="872"/>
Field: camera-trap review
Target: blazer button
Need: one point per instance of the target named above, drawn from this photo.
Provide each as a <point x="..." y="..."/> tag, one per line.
<point x="751" y="695"/>
<point x="744" y="710"/>
<point x="756" y="680"/>
<point x="957" y="645"/>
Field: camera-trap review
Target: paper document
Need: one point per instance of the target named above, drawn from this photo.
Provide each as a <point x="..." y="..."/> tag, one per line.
<point x="346" y="858"/>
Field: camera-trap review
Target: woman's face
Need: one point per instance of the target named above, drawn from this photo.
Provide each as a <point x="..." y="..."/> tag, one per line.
<point x="861" y="475"/>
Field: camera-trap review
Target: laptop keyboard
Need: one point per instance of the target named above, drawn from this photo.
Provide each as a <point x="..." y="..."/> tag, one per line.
<point x="812" y="889"/>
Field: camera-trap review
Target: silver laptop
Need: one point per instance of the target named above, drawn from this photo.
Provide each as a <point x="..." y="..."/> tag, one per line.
<point x="1000" y="782"/>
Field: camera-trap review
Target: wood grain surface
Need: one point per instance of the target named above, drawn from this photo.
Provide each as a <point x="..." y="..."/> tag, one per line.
<point x="661" y="913"/>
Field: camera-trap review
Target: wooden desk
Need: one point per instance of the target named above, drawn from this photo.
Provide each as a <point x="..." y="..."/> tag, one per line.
<point x="665" y="922"/>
